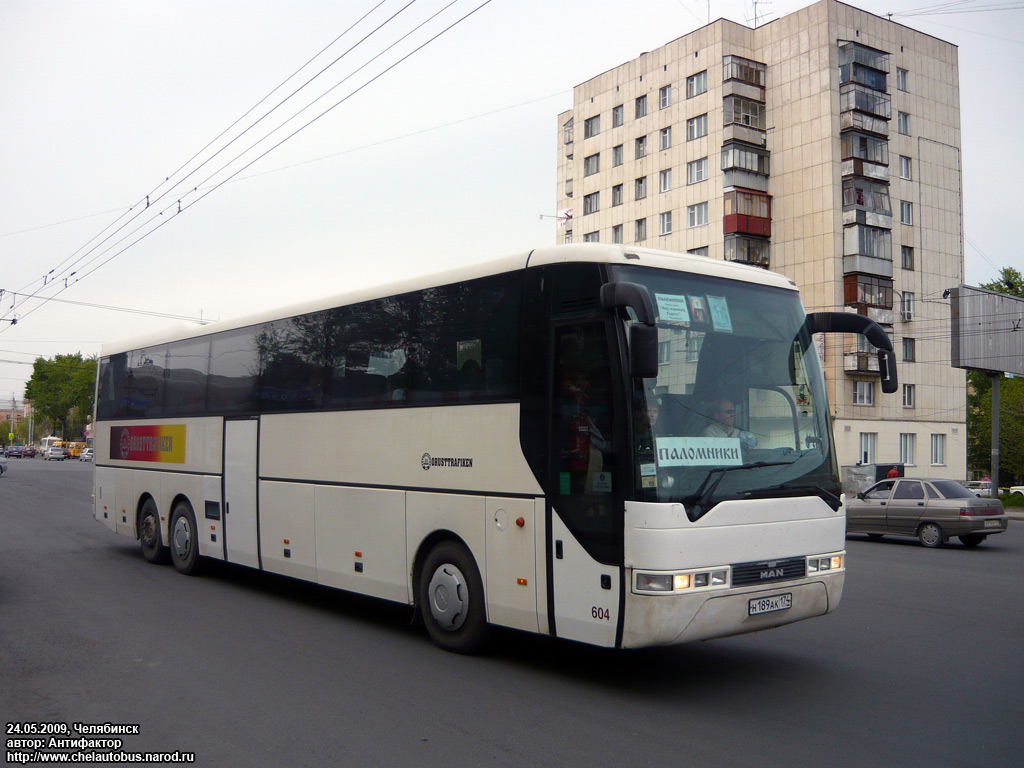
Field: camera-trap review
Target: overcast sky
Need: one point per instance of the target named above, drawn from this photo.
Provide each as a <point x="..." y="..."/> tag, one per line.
<point x="445" y="159"/>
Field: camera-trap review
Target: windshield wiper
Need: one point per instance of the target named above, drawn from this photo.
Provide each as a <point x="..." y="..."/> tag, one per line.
<point x="704" y="497"/>
<point x="826" y="495"/>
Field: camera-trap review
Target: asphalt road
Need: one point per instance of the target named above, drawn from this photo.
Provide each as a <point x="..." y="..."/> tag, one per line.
<point x="920" y="666"/>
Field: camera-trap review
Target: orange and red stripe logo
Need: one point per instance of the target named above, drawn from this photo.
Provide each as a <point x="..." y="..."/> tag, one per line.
<point x="163" y="443"/>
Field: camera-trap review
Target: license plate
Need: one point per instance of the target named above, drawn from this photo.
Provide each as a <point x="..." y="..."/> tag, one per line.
<point x="770" y="604"/>
<point x="991" y="523"/>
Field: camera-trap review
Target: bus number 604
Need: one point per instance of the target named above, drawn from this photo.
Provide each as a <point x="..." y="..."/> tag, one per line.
<point x="601" y="613"/>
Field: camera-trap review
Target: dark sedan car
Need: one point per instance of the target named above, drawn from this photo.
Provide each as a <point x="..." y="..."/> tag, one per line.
<point x="14" y="451"/>
<point x="932" y="510"/>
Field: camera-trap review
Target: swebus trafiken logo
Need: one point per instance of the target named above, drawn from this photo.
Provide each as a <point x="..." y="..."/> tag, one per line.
<point x="427" y="461"/>
<point x="164" y="443"/>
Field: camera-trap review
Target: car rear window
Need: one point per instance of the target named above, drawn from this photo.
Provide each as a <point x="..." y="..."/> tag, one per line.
<point x="951" y="489"/>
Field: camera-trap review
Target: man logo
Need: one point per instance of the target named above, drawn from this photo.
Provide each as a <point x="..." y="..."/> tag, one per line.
<point x="772" y="572"/>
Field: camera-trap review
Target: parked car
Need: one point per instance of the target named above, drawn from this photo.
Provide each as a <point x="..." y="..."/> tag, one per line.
<point x="1018" y="489"/>
<point x="3" y="464"/>
<point x="979" y="488"/>
<point x="932" y="510"/>
<point x="85" y="455"/>
<point x="55" y="453"/>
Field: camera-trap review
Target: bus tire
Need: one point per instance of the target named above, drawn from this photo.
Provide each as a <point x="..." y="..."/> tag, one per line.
<point x="153" y="548"/>
<point x="184" y="544"/>
<point x="451" y="599"/>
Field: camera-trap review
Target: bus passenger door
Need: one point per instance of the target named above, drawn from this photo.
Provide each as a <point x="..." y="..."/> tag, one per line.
<point x="585" y="524"/>
<point x="241" y="521"/>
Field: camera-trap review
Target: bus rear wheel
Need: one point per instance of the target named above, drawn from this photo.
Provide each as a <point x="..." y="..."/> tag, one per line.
<point x="184" y="543"/>
<point x="451" y="599"/>
<point x="153" y="548"/>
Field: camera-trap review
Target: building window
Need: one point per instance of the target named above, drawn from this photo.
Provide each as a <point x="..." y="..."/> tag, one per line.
<point x="696" y="84"/>
<point x="861" y="146"/>
<point x="665" y="223"/>
<point x="617" y="233"/>
<point x="748" y="250"/>
<point x="567" y="131"/>
<point x="867" y="447"/>
<point x="909" y="396"/>
<point x="738" y="68"/>
<point x="591" y="126"/>
<point x="747" y="204"/>
<point x="905" y="167"/>
<point x="702" y="251"/>
<point x="863" y="393"/>
<point x="641" y="106"/>
<point x="568" y="236"/>
<point x="901" y="79"/>
<point x="640" y="230"/>
<point x="868" y="290"/>
<point x="664" y="352"/>
<point x="854" y="97"/>
<point x="938" y="450"/>
<point x="744" y="158"/>
<point x="641" y="147"/>
<point x="665" y="180"/>
<point x="617" y="156"/>
<point x="697" y="215"/>
<point x="907" y="440"/>
<point x="640" y="188"/>
<point x="616" y="195"/>
<point x="591" y="237"/>
<point x="909" y="350"/>
<point x="903" y="123"/>
<point x="697" y="170"/>
<point x="742" y="111"/>
<point x="591" y="164"/>
<point x="617" y="117"/>
<point x="907" y="257"/>
<point x="862" y="194"/>
<point x="906" y="213"/>
<point x="591" y="203"/>
<point x="665" y="137"/>
<point x="696" y="127"/>
<point x="665" y="96"/>
<point x="907" y="306"/>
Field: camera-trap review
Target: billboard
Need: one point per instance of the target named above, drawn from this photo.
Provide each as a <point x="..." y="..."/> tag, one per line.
<point x="987" y="330"/>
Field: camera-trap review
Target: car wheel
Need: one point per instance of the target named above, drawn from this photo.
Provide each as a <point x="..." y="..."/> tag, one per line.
<point x="930" y="535"/>
<point x="972" y="540"/>
<point x="451" y="598"/>
<point x="153" y="548"/>
<point x="184" y="544"/>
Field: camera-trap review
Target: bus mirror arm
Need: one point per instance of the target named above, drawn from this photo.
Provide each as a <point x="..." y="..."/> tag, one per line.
<point x="849" y="322"/>
<point x="643" y="334"/>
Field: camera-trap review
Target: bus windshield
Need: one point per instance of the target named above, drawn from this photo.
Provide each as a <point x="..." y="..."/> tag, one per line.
<point x="738" y="409"/>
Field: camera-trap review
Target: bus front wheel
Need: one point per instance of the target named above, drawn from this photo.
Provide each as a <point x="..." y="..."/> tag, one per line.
<point x="153" y="548"/>
<point x="184" y="543"/>
<point x="451" y="597"/>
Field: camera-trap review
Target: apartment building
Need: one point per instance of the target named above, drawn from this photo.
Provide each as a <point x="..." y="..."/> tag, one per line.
<point x="825" y="146"/>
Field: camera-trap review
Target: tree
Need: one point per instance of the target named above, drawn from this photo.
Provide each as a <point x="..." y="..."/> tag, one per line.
<point x="62" y="390"/>
<point x="1011" y="406"/>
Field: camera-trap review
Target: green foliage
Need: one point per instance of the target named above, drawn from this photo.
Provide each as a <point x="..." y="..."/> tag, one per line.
<point x="1011" y="406"/>
<point x="62" y="390"/>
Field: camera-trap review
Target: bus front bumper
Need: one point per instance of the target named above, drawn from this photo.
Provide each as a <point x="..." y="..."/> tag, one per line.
<point x="669" y="619"/>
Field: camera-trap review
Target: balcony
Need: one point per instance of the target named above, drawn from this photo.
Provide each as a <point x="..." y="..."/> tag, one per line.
<point x="860" y="362"/>
<point x="860" y="98"/>
<point x="867" y="265"/>
<point x="746" y="90"/>
<point x="865" y="170"/>
<point x="737" y="132"/>
<point x="861" y="122"/>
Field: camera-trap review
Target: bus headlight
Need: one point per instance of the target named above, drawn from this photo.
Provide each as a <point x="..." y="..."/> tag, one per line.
<point x="675" y="583"/>
<point x="819" y="563"/>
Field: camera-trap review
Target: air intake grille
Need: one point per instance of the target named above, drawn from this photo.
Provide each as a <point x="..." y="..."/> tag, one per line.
<point x="768" y="571"/>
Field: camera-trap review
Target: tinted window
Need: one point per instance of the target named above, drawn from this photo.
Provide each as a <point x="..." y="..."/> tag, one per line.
<point x="185" y="379"/>
<point x="908" y="489"/>
<point x="233" y="371"/>
<point x="951" y="489"/>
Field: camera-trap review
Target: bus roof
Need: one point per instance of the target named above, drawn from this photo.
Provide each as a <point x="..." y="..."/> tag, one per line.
<point x="557" y="254"/>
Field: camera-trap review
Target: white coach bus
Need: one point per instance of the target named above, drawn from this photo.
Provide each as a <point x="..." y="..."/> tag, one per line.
<point x="618" y="446"/>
